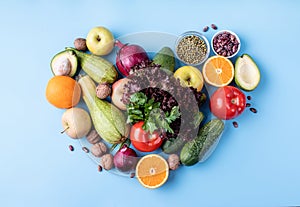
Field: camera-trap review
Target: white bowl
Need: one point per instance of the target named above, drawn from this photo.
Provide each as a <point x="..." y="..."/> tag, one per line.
<point x="230" y="32"/>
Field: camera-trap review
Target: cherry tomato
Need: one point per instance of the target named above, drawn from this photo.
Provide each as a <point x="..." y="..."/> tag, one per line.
<point x="227" y="102"/>
<point x="143" y="140"/>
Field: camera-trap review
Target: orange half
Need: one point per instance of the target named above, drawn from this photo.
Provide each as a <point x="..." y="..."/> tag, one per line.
<point x="152" y="171"/>
<point x="218" y="71"/>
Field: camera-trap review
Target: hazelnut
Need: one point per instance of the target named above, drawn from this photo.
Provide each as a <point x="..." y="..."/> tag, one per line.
<point x="173" y="161"/>
<point x="93" y="137"/>
<point x="80" y="44"/>
<point x="98" y="149"/>
<point x="107" y="161"/>
<point x="103" y="90"/>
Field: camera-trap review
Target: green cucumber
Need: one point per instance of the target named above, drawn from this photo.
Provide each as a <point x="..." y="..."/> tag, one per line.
<point x="195" y="150"/>
<point x="173" y="145"/>
<point x="99" y="69"/>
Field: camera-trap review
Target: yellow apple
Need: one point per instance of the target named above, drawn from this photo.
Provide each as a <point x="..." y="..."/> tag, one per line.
<point x="190" y="76"/>
<point x="76" y="122"/>
<point x="100" y="41"/>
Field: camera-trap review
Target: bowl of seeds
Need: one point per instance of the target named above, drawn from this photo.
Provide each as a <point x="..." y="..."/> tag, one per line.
<point x="192" y="48"/>
<point x="225" y="43"/>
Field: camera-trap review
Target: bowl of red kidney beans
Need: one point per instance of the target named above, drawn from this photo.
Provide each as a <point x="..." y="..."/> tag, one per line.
<point x="225" y="43"/>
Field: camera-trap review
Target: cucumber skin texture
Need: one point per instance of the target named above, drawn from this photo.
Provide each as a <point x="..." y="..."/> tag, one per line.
<point x="174" y="145"/>
<point x="195" y="150"/>
<point x="108" y="120"/>
<point x="99" y="69"/>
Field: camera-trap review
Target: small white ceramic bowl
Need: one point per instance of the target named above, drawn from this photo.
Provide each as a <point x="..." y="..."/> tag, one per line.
<point x="213" y="43"/>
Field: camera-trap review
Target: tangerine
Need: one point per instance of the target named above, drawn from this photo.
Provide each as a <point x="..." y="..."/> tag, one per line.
<point x="63" y="92"/>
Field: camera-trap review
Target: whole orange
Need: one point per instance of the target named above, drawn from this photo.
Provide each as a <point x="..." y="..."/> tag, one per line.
<point x="63" y="92"/>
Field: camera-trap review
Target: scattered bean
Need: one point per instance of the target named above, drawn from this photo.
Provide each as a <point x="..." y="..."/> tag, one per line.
<point x="132" y="175"/>
<point x="85" y="149"/>
<point x="248" y="104"/>
<point x="214" y="26"/>
<point x="235" y="124"/>
<point x="253" y="110"/>
<point x="205" y="29"/>
<point x="99" y="168"/>
<point x="71" y="148"/>
<point x="249" y="98"/>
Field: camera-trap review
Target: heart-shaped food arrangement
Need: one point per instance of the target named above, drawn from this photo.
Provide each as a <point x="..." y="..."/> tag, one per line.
<point x="145" y="114"/>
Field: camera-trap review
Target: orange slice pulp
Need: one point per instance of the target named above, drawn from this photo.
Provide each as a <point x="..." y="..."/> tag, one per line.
<point x="152" y="171"/>
<point x="218" y="71"/>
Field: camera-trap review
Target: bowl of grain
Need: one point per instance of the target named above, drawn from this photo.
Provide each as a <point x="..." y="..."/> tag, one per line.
<point x="192" y="48"/>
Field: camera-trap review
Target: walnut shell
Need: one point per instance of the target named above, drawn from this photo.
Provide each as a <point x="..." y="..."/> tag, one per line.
<point x="99" y="149"/>
<point x="107" y="161"/>
<point x="80" y="44"/>
<point x="173" y="161"/>
<point x="93" y="137"/>
<point x="103" y="91"/>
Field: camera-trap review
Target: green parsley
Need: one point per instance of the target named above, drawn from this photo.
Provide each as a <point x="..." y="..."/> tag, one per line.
<point x="141" y="108"/>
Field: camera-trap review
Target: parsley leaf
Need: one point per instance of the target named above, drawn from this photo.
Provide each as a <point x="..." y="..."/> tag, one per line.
<point x="141" y="108"/>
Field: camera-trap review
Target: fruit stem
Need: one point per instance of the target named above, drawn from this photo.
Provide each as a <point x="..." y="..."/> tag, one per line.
<point x="65" y="130"/>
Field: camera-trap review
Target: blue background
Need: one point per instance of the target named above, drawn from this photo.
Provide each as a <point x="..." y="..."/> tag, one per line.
<point x="254" y="165"/>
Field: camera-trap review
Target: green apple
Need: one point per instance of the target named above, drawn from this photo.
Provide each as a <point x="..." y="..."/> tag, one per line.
<point x="117" y="93"/>
<point x="76" y="122"/>
<point x="100" y="41"/>
<point x="190" y="76"/>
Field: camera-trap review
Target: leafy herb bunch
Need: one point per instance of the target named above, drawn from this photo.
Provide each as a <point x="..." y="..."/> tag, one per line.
<point x="154" y="96"/>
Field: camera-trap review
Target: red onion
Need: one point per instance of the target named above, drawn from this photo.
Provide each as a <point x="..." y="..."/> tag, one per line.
<point x="125" y="159"/>
<point x="129" y="56"/>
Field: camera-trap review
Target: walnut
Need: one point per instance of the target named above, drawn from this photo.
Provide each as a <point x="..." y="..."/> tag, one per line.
<point x="93" y="137"/>
<point x="98" y="149"/>
<point x="173" y="161"/>
<point x="103" y="90"/>
<point x="80" y="44"/>
<point x="107" y="161"/>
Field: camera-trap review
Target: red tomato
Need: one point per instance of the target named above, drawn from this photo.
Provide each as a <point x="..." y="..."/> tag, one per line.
<point x="142" y="140"/>
<point x="227" y="102"/>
